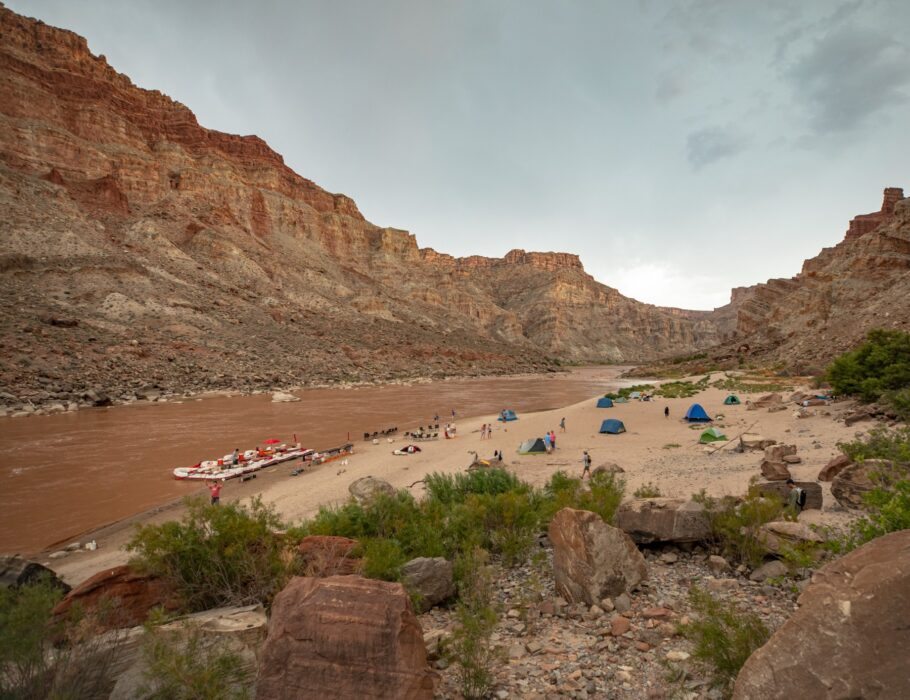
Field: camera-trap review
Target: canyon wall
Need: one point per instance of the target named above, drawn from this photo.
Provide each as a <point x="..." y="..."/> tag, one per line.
<point x="141" y="248"/>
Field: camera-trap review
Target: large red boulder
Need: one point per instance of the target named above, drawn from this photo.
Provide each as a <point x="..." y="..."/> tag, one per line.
<point x="834" y="467"/>
<point x="850" y="637"/>
<point x="327" y="555"/>
<point x="343" y="637"/>
<point x="118" y="597"/>
<point x="591" y="559"/>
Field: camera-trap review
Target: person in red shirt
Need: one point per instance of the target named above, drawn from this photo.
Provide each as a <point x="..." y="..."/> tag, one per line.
<point x="215" y="490"/>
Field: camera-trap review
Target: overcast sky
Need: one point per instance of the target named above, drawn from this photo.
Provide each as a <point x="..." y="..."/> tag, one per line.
<point x="680" y="148"/>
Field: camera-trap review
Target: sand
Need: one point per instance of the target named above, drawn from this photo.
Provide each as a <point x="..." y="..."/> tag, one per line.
<point x="644" y="452"/>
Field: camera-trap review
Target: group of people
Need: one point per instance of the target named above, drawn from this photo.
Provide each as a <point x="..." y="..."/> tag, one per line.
<point x="549" y="440"/>
<point x="486" y="431"/>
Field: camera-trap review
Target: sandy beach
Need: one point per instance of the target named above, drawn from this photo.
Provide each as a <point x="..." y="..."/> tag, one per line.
<point x="663" y="451"/>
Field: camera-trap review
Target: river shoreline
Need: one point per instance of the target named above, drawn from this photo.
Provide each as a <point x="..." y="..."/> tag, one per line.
<point x="655" y="450"/>
<point x="12" y="407"/>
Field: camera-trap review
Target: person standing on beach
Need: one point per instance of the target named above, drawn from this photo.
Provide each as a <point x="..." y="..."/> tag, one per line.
<point x="483" y="432"/>
<point x="666" y="411"/>
<point x="546" y="441"/>
<point x="553" y="439"/>
<point x="436" y="419"/>
<point x="586" y="460"/>
<point x="453" y="414"/>
<point x="562" y="424"/>
<point x="215" y="491"/>
<point x="236" y="456"/>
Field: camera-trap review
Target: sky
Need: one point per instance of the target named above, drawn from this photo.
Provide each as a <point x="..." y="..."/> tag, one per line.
<point x="679" y="148"/>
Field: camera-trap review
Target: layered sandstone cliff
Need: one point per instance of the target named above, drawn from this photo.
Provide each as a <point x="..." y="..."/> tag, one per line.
<point x="861" y="283"/>
<point x="139" y="247"/>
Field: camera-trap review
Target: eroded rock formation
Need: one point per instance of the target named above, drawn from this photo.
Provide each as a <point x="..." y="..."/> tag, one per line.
<point x="141" y="248"/>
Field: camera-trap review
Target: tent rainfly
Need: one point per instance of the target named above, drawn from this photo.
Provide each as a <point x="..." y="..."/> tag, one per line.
<point x="732" y="400"/>
<point x="534" y="446"/>
<point x="605" y="402"/>
<point x="696" y="414"/>
<point x="711" y="435"/>
<point x="612" y="426"/>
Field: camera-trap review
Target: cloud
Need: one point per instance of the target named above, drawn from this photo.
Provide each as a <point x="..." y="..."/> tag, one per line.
<point x="712" y="144"/>
<point x="849" y="75"/>
<point x="665" y="284"/>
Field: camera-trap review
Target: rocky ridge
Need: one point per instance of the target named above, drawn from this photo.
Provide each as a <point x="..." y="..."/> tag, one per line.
<point x="141" y="249"/>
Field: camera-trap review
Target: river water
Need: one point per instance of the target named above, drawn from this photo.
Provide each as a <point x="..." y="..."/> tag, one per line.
<point x="65" y="474"/>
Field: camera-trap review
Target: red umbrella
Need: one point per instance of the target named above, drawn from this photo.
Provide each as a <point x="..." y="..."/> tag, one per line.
<point x="271" y="441"/>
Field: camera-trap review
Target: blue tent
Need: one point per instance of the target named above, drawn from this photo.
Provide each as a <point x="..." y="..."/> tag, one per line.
<point x="605" y="402"/>
<point x="612" y="426"/>
<point x="696" y="414"/>
<point x="507" y="415"/>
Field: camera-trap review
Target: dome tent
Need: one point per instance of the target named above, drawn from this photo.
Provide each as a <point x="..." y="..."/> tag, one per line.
<point x="534" y="446"/>
<point x="697" y="414"/>
<point x="507" y="415"/>
<point x="711" y="435"/>
<point x="612" y="426"/>
<point x="605" y="402"/>
<point x="732" y="400"/>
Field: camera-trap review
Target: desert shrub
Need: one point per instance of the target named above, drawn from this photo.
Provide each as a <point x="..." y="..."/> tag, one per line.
<point x="475" y="617"/>
<point x="454" y="488"/>
<point x="626" y="391"/>
<point x="879" y="365"/>
<point x="671" y="445"/>
<point x="43" y="658"/>
<point x="888" y="504"/>
<point x="648" y="490"/>
<point x="187" y="666"/>
<point x="681" y="389"/>
<point x="217" y="555"/>
<point x="723" y="638"/>
<point x="735" y="523"/>
<point x="382" y="558"/>
<point x="881" y="443"/>
<point x="603" y="495"/>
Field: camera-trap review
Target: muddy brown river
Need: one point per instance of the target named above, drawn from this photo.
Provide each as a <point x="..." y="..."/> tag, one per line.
<point x="66" y="474"/>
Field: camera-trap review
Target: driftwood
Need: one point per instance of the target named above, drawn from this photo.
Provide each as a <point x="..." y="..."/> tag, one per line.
<point x="717" y="449"/>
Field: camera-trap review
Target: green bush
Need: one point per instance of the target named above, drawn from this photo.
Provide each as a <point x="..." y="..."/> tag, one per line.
<point x="476" y="618"/>
<point x="188" y="666"/>
<point x="648" y="490"/>
<point x="217" y="555"/>
<point x="382" y="559"/>
<point x="81" y="664"/>
<point x="881" y="443"/>
<point x="881" y="364"/>
<point x="603" y="495"/>
<point x="735" y="523"/>
<point x="454" y="488"/>
<point x="723" y="637"/>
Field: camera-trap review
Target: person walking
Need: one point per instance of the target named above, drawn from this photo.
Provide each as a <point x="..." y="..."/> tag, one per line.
<point x="562" y="424"/>
<point x="666" y="411"/>
<point x="215" y="492"/>
<point x="586" y="460"/>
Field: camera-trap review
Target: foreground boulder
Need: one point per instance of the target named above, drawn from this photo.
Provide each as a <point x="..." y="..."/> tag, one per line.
<point x="856" y="480"/>
<point x="774" y="471"/>
<point x="343" y="637"/>
<point x="753" y="441"/>
<point x="776" y="453"/>
<point x="327" y="555"/>
<point x="16" y="571"/>
<point x="118" y="597"/>
<point x="849" y="638"/>
<point x="834" y="467"/>
<point x="591" y="559"/>
<point x="366" y="488"/>
<point x="430" y="579"/>
<point x="782" y="534"/>
<point x="648" y="520"/>
<point x="237" y="631"/>
<point x="780" y="490"/>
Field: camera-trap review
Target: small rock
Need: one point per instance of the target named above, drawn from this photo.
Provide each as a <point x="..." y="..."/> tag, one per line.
<point x="622" y="603"/>
<point x="676" y="656"/>
<point x="619" y="625"/>
<point x="718" y="564"/>
<point x="772" y="569"/>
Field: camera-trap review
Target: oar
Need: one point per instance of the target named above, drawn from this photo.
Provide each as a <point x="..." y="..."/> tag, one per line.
<point x="729" y="441"/>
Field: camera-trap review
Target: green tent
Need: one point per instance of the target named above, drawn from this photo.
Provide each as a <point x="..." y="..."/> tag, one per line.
<point x="732" y="400"/>
<point x="534" y="446"/>
<point x="712" y="435"/>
